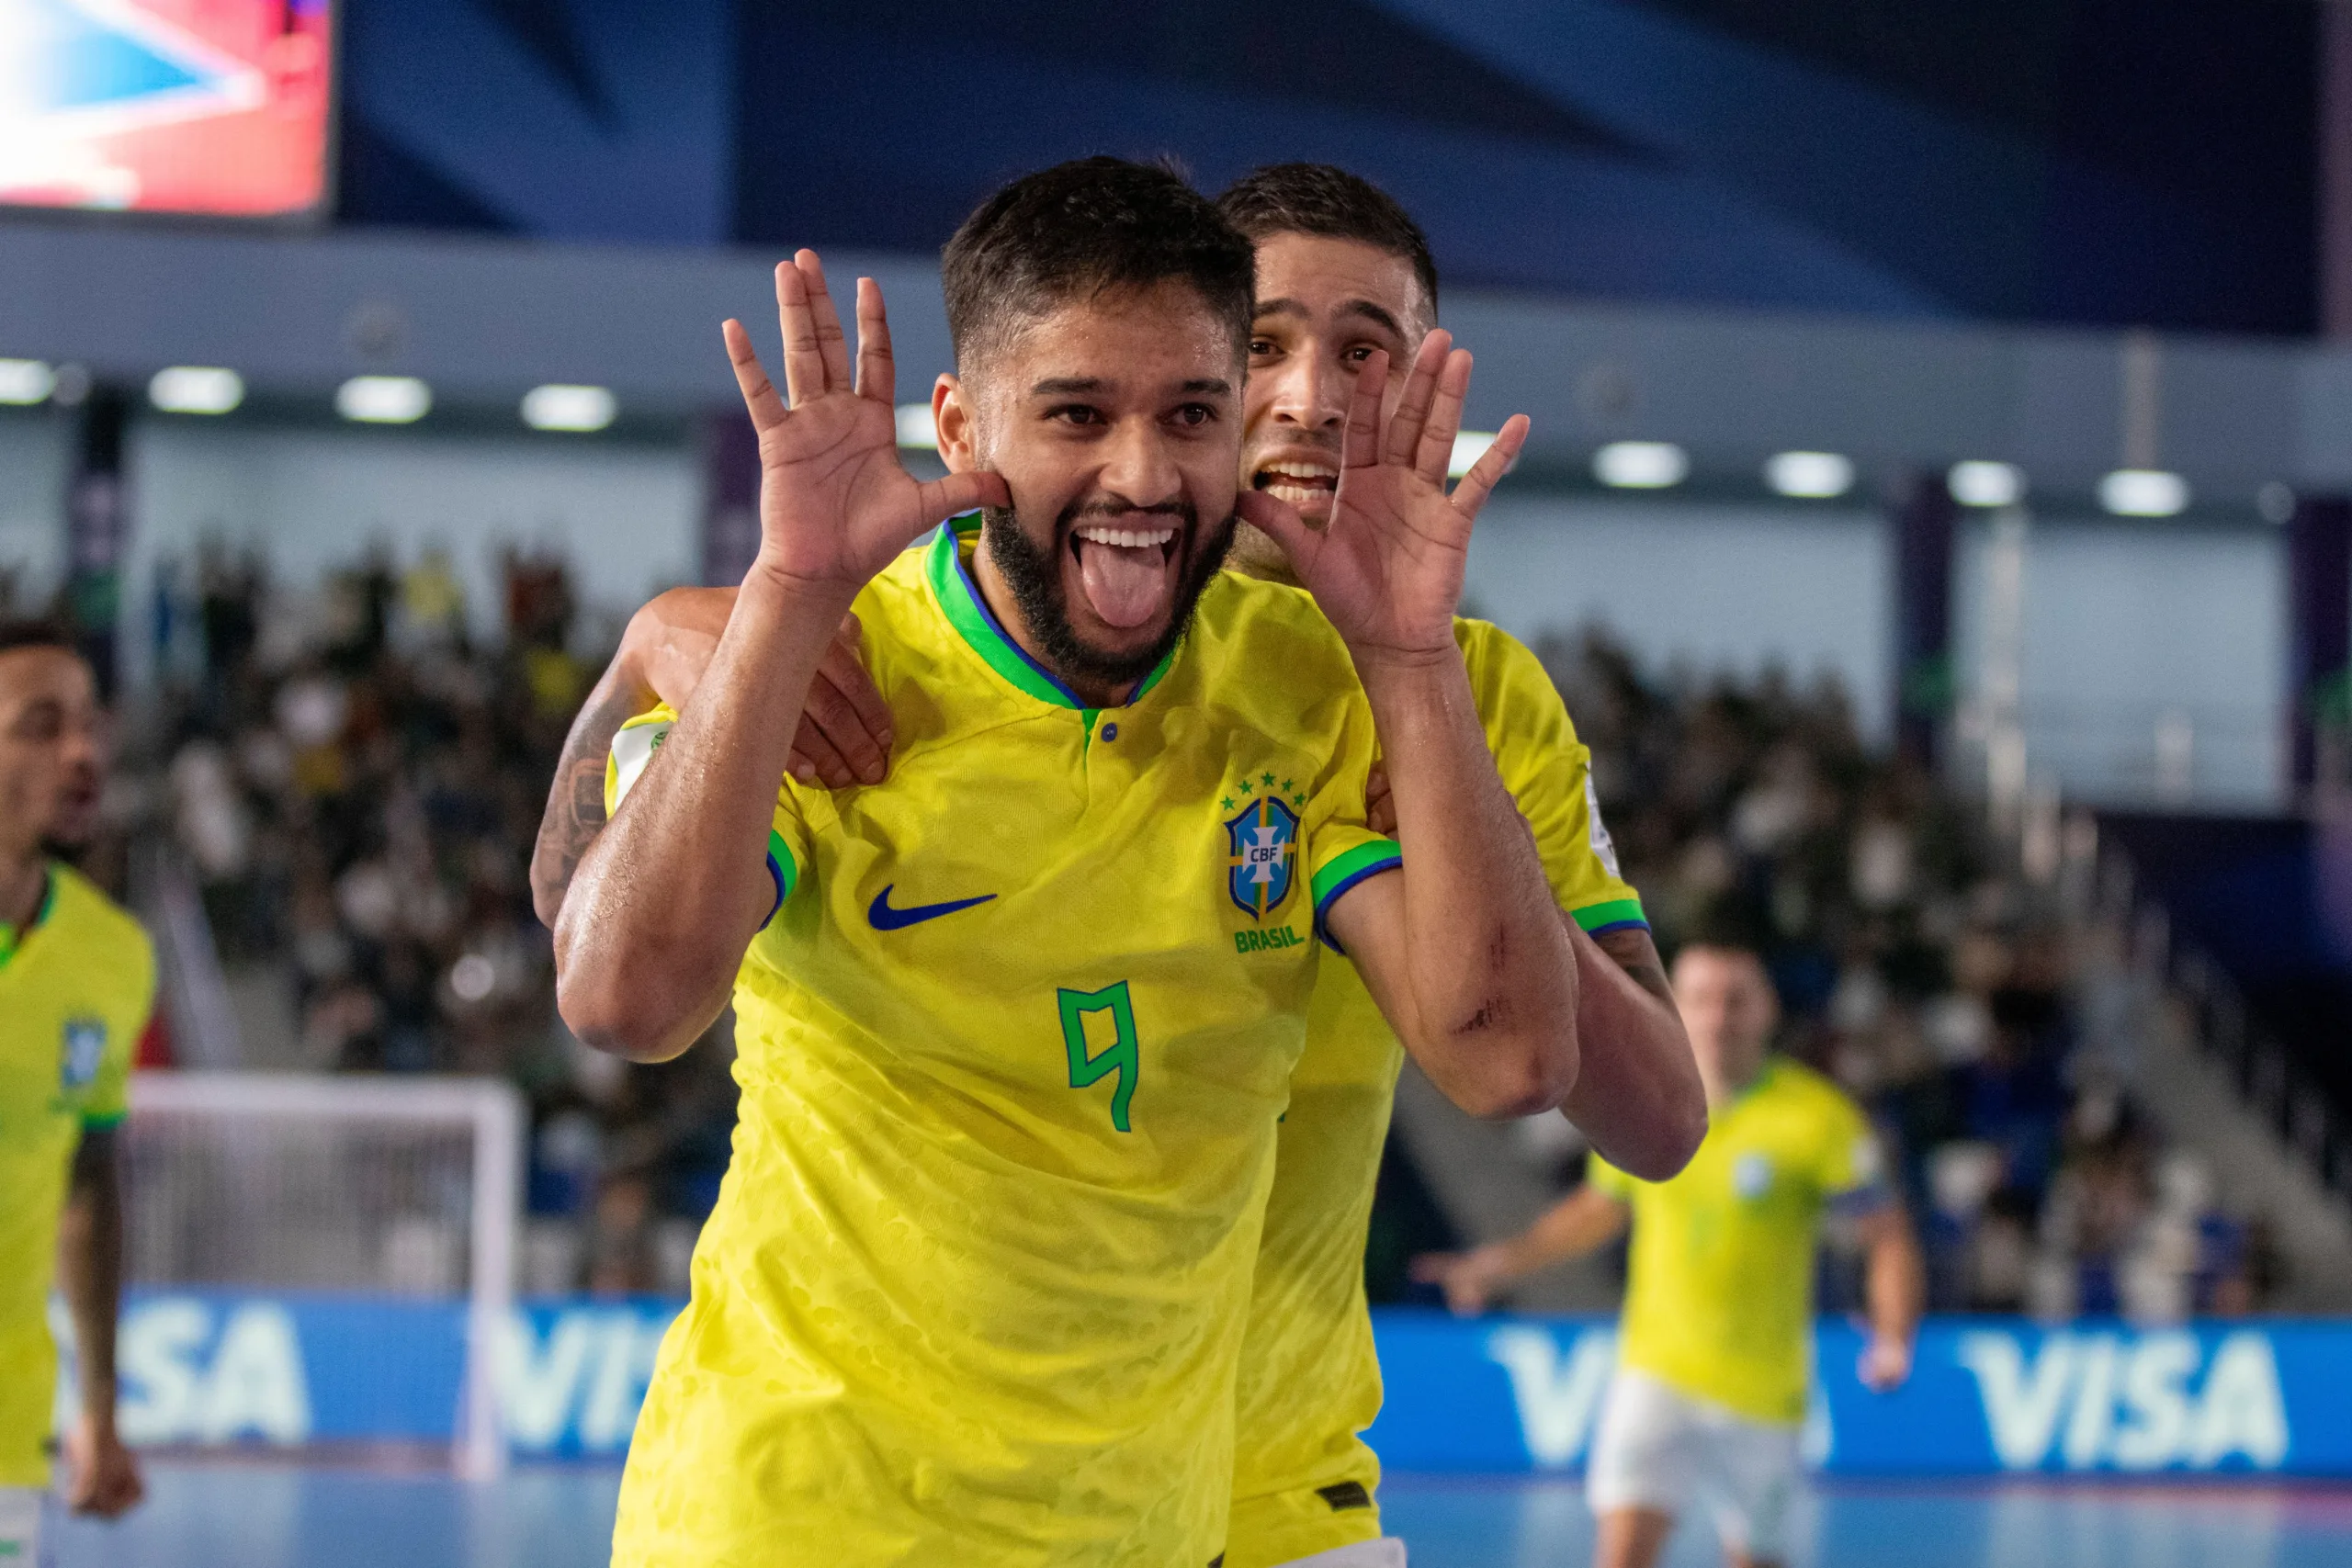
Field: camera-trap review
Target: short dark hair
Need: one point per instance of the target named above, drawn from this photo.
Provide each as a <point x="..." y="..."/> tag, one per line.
<point x="16" y="633"/>
<point x="1082" y="228"/>
<point x="1324" y="200"/>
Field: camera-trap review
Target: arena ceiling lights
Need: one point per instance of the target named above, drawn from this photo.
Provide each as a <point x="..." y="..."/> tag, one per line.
<point x="196" y="388"/>
<point x="1810" y="476"/>
<point x="2144" y="492"/>
<point x="1469" y="446"/>
<point x="1980" y="483"/>
<point x="1641" y="465"/>
<point x="383" y="400"/>
<point x="559" y="407"/>
<point x="916" y="431"/>
<point x="25" y="382"/>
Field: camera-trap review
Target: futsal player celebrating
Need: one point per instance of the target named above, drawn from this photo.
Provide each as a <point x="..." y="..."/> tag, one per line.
<point x="77" y="979"/>
<point x="1714" y="1350"/>
<point x="1345" y="279"/>
<point x="1015" y="1026"/>
<point x="1342" y="273"/>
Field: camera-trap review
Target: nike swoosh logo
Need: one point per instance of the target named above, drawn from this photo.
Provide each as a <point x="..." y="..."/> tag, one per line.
<point x="885" y="918"/>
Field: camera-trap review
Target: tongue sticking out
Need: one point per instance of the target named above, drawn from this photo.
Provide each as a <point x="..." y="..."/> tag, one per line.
<point x="1127" y="586"/>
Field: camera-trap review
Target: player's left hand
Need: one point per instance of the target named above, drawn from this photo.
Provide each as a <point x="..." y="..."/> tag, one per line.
<point x="1387" y="570"/>
<point x="103" y="1474"/>
<point x="1885" y="1363"/>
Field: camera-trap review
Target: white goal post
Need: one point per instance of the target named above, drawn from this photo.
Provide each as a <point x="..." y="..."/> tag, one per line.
<point x="393" y="1186"/>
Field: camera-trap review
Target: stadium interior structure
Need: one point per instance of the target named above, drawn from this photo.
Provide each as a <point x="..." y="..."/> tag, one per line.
<point x="1988" y="652"/>
<point x="351" y="650"/>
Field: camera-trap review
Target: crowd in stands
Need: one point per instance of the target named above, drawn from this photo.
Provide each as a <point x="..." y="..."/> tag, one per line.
<point x="356" y="780"/>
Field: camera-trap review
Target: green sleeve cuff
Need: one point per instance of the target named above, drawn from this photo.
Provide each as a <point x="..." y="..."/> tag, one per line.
<point x="1615" y="915"/>
<point x="1343" y="872"/>
<point x="103" y="1120"/>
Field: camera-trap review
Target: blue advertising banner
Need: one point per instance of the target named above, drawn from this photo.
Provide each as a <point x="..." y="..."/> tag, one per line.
<point x="1988" y="1396"/>
<point x="208" y="1367"/>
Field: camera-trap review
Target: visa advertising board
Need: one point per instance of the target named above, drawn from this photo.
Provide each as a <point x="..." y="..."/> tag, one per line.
<point x="1500" y="1395"/>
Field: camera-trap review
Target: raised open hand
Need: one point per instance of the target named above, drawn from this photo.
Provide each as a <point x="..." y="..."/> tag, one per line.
<point x="835" y="502"/>
<point x="1387" y="570"/>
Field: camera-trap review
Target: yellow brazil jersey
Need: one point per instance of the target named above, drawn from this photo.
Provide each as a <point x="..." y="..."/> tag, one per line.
<point x="74" y="998"/>
<point x="1309" y="1382"/>
<point x="1719" y="1293"/>
<point x="1011" y="1050"/>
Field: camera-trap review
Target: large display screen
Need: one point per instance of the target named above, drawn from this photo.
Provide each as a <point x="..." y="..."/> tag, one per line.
<point x="215" y="107"/>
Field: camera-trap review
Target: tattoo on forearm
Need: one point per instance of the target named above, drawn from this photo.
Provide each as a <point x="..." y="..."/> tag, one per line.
<point x="575" y="813"/>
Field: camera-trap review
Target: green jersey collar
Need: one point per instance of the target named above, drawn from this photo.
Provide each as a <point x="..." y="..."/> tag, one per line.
<point x="959" y="599"/>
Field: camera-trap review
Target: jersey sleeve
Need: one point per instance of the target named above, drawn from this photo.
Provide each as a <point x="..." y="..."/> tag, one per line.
<point x="108" y="1100"/>
<point x="1549" y="771"/>
<point x="633" y="749"/>
<point x="1342" y="848"/>
<point x="1851" y="1170"/>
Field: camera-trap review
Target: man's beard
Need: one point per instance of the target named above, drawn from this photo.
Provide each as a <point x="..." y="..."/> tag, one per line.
<point x="1034" y="576"/>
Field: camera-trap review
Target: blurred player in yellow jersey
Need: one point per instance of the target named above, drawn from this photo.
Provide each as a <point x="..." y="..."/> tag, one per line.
<point x="1715" y="1349"/>
<point x="1015" y="1026"/>
<point x="76" y="981"/>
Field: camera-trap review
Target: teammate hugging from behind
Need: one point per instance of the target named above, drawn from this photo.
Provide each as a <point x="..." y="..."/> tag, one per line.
<point x="77" y="977"/>
<point x="1345" y="280"/>
<point x="1715" y="1347"/>
<point x="977" y="1280"/>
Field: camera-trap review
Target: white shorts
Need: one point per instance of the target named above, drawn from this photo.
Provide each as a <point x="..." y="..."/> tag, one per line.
<point x="21" y="1511"/>
<point x="1660" y="1448"/>
<point x="1386" y="1552"/>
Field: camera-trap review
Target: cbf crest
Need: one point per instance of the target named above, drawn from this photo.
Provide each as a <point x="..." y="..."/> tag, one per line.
<point x="85" y="1047"/>
<point x="1263" y="840"/>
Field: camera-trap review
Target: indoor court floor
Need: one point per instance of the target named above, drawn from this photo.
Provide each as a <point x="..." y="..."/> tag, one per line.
<point x="258" y="1515"/>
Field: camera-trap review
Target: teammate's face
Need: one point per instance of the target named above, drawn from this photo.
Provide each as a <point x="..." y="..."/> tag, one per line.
<point x="1729" y="1007"/>
<point x="1116" y="424"/>
<point x="1323" y="305"/>
<point x="50" y="748"/>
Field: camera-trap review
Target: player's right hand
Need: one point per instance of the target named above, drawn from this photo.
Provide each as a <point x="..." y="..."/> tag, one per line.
<point x="835" y="502"/>
<point x="845" y="733"/>
<point x="1468" y="1279"/>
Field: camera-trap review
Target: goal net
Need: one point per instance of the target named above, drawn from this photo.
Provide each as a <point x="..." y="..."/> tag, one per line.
<point x="357" y="1186"/>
